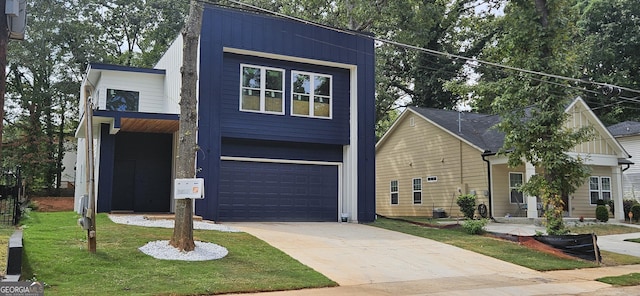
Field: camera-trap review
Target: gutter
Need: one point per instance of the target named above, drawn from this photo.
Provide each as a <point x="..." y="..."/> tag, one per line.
<point x="485" y="154"/>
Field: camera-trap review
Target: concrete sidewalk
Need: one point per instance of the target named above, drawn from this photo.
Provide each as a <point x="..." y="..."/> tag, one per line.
<point x="366" y="260"/>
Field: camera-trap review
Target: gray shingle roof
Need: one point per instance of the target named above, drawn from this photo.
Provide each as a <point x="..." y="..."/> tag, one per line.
<point x="626" y="128"/>
<point x="475" y="128"/>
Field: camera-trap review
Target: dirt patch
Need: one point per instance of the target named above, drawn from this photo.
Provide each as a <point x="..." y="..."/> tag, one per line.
<point x="532" y="243"/>
<point x="53" y="204"/>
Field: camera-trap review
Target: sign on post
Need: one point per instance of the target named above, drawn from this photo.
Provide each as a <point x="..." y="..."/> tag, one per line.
<point x="189" y="188"/>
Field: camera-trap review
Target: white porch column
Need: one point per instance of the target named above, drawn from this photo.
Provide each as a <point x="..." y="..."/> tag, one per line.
<point x="532" y="202"/>
<point x="616" y="193"/>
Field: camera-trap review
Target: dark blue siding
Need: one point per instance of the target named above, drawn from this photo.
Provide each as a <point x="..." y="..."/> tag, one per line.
<point x="281" y="150"/>
<point x="105" y="178"/>
<point x="219" y="115"/>
<point x="251" y="125"/>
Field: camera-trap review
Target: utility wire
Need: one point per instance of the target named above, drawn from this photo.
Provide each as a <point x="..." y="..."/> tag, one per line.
<point x="422" y="49"/>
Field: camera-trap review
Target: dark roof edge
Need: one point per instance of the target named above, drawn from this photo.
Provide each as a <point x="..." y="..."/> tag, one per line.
<point x="111" y="67"/>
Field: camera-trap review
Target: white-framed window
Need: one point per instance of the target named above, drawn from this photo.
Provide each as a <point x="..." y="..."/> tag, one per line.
<point x="417" y="191"/>
<point x="599" y="189"/>
<point x="412" y="121"/>
<point x="394" y="192"/>
<point x="261" y="89"/>
<point x="432" y="179"/>
<point x="515" y="182"/>
<point x="311" y="94"/>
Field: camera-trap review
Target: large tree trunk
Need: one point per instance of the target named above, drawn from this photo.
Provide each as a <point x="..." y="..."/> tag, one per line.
<point x="187" y="147"/>
<point x="4" y="41"/>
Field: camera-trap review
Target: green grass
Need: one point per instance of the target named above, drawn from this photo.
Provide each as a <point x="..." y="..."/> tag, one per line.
<point x="633" y="240"/>
<point x="55" y="253"/>
<point x="632" y="279"/>
<point x="500" y="249"/>
<point x="600" y="229"/>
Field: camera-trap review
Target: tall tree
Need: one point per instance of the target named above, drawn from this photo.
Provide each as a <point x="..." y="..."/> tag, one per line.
<point x="610" y="30"/>
<point x="537" y="35"/>
<point x="187" y="147"/>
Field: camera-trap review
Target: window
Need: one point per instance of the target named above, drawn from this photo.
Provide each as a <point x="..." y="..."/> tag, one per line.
<point x="262" y="89"/>
<point x="432" y="179"/>
<point x="417" y="191"/>
<point x="394" y="192"/>
<point x="515" y="182"/>
<point x="122" y="100"/>
<point x="599" y="188"/>
<point x="310" y="94"/>
<point x="412" y="121"/>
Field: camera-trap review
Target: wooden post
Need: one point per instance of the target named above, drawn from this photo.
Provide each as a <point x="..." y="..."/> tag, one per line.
<point x="595" y="248"/>
<point x="91" y="211"/>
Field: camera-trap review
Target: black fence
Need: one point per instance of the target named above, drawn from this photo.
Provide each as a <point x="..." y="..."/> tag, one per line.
<point x="10" y="196"/>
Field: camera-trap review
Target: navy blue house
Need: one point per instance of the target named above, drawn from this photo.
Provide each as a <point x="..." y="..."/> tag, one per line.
<point x="286" y="124"/>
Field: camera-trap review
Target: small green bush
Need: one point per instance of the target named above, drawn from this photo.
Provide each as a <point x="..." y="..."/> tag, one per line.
<point x="635" y="209"/>
<point x="475" y="226"/>
<point x="600" y="202"/>
<point x="602" y="214"/>
<point x="626" y="207"/>
<point x="612" y="208"/>
<point x="467" y="204"/>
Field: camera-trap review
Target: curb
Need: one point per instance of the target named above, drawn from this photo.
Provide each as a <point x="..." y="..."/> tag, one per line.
<point x="14" y="259"/>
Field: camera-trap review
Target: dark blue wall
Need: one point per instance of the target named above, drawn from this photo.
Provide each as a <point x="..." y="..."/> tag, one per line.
<point x="251" y="125"/>
<point x="218" y="106"/>
<point x="105" y="178"/>
<point x="281" y="150"/>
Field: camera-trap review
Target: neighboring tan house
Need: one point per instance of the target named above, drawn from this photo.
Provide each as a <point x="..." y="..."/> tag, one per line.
<point x="286" y="116"/>
<point x="430" y="156"/>
<point x="628" y="135"/>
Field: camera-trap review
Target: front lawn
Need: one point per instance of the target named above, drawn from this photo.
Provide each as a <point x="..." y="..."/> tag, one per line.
<point x="55" y="253"/>
<point x="500" y="249"/>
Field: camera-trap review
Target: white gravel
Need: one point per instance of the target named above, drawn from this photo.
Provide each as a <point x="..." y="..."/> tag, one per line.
<point x="204" y="251"/>
<point x="163" y="250"/>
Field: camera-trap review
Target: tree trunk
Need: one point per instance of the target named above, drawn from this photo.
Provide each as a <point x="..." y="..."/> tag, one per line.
<point x="187" y="147"/>
<point x="4" y="41"/>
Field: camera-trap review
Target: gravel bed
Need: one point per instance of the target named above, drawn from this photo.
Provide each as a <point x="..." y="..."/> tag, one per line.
<point x="162" y="250"/>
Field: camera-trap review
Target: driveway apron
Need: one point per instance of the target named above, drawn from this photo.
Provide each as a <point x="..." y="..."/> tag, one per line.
<point x="355" y="254"/>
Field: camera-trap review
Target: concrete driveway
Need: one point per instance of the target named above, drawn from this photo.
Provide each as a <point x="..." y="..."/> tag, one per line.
<point x="366" y="260"/>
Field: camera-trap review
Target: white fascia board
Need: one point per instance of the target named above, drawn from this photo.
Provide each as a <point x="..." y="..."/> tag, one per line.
<point x="596" y="159"/>
<point x="286" y="58"/>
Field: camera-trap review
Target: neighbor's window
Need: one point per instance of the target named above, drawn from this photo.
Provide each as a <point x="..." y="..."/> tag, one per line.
<point x="311" y="94"/>
<point x="417" y="191"/>
<point x="122" y="100"/>
<point x="599" y="188"/>
<point x="262" y="89"/>
<point x="515" y="182"/>
<point x="394" y="192"/>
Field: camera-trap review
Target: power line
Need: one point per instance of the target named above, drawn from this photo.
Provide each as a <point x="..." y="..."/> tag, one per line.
<point x="430" y="51"/>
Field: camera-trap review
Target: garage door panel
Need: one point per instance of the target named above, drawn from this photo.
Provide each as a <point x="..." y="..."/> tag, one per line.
<point x="257" y="191"/>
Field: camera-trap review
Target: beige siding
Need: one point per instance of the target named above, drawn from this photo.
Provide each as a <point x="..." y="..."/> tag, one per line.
<point x="501" y="200"/>
<point x="631" y="181"/>
<point x="601" y="143"/>
<point x="421" y="151"/>
<point x="580" y="202"/>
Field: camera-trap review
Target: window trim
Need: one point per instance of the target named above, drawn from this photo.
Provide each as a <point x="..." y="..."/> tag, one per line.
<point x="263" y="89"/>
<point x="392" y="192"/>
<point x="518" y="187"/>
<point x="312" y="95"/>
<point x="419" y="190"/>
<point x="600" y="190"/>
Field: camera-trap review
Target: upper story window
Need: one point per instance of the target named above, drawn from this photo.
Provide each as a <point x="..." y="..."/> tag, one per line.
<point x="262" y="89"/>
<point x="311" y="94"/>
<point x="122" y="100"/>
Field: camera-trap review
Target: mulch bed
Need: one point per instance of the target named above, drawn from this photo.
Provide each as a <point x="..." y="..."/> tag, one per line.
<point x="53" y="204"/>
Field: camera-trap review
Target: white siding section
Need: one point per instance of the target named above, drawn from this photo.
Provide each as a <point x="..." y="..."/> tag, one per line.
<point x="150" y="86"/>
<point x="631" y="177"/>
<point x="171" y="62"/>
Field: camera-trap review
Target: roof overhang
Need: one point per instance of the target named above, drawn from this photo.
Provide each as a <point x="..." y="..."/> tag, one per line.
<point x="137" y="122"/>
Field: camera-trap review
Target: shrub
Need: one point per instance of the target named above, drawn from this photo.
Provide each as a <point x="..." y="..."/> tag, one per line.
<point x="602" y="214"/>
<point x="475" y="226"/>
<point x="635" y="209"/>
<point x="600" y="202"/>
<point x="626" y="207"/>
<point x="467" y="204"/>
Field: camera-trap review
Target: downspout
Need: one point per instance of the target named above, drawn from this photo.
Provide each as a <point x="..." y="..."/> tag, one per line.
<point x="485" y="154"/>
